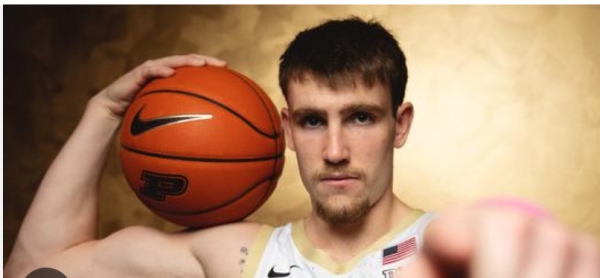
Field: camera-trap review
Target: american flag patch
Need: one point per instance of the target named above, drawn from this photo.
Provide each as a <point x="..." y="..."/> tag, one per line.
<point x="401" y="251"/>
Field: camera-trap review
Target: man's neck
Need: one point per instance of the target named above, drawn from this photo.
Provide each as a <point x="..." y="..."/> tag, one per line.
<point x="343" y="242"/>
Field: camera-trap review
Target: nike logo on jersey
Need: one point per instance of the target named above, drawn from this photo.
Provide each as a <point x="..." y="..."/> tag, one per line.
<point x="273" y="274"/>
<point x="139" y="126"/>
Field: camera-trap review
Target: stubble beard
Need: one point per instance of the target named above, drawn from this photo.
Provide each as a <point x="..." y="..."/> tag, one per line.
<point x="342" y="214"/>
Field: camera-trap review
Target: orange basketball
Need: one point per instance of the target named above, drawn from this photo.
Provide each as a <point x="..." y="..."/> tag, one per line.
<point x="202" y="147"/>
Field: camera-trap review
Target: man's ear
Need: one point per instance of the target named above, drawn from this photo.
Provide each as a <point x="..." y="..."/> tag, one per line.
<point x="404" y="117"/>
<point x="287" y="127"/>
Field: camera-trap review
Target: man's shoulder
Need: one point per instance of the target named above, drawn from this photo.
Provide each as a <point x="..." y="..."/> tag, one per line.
<point x="422" y="220"/>
<point x="221" y="250"/>
<point x="233" y="232"/>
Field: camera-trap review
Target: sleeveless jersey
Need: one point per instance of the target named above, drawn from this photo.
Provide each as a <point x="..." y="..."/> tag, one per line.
<point x="286" y="252"/>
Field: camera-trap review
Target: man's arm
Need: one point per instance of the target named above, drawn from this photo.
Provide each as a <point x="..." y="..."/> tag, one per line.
<point x="132" y="252"/>
<point x="217" y="252"/>
<point x="62" y="217"/>
<point x="63" y="212"/>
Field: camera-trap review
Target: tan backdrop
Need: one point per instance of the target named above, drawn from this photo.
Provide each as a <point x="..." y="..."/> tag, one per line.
<point x="507" y="98"/>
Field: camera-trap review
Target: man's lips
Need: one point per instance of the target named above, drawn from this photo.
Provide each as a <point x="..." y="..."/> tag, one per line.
<point x="338" y="181"/>
<point x="338" y="177"/>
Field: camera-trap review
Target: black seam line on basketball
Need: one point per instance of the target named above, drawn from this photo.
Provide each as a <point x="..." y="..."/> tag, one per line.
<point x="271" y="183"/>
<point x="274" y="135"/>
<point x="259" y="97"/>
<point x="259" y="204"/>
<point x="220" y="206"/>
<point x="200" y="159"/>
<point x="264" y="196"/>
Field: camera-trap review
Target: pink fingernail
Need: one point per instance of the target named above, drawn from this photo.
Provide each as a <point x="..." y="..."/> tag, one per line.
<point x="534" y="210"/>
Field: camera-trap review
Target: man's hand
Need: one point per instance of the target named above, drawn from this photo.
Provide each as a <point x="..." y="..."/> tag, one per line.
<point x="115" y="98"/>
<point x="503" y="239"/>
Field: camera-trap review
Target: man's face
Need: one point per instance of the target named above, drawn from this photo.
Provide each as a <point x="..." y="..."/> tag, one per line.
<point x="344" y="141"/>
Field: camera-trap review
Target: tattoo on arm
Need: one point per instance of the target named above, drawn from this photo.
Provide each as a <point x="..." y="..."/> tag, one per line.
<point x="244" y="252"/>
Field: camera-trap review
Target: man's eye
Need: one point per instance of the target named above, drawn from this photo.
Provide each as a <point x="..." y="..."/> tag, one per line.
<point x="311" y="122"/>
<point x="362" y="118"/>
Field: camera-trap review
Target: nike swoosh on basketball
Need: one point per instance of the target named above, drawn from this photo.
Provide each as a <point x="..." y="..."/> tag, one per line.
<point x="139" y="126"/>
<point x="273" y="274"/>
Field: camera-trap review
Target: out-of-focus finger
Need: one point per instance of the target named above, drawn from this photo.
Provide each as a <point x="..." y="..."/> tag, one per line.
<point x="449" y="239"/>
<point x="421" y="267"/>
<point x="586" y="258"/>
<point x="550" y="250"/>
<point x="501" y="238"/>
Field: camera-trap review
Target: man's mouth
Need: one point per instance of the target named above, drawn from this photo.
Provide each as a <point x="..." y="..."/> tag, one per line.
<point x="338" y="177"/>
<point x="339" y="181"/>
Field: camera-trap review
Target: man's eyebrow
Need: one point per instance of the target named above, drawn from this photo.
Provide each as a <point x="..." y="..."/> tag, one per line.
<point x="366" y="107"/>
<point x="375" y="109"/>
<point x="304" y="111"/>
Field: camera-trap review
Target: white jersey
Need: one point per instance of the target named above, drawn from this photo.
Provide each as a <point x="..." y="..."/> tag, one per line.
<point x="286" y="252"/>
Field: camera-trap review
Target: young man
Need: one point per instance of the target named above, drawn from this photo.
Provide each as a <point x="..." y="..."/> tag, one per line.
<point x="344" y="83"/>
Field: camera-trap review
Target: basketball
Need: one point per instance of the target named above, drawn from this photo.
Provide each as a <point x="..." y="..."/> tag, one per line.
<point x="202" y="147"/>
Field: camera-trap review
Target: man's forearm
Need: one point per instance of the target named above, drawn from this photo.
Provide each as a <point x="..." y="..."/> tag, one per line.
<point x="64" y="210"/>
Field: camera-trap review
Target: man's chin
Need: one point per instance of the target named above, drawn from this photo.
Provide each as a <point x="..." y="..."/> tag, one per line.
<point x="342" y="211"/>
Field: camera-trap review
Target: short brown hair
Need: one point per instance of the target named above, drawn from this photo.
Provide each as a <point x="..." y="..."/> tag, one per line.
<point x="339" y="51"/>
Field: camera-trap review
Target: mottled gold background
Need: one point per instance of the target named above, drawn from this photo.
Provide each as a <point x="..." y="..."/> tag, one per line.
<point x="507" y="97"/>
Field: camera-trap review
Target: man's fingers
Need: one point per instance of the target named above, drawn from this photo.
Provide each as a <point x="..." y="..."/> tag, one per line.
<point x="119" y="94"/>
<point x="505" y="239"/>
<point x="421" y="267"/>
<point x="212" y="61"/>
<point x="156" y="71"/>
<point x="448" y="239"/>
<point x="586" y="258"/>
<point x="194" y="60"/>
<point x="549" y="251"/>
<point x="176" y="61"/>
<point x="163" y="67"/>
<point x="501" y="237"/>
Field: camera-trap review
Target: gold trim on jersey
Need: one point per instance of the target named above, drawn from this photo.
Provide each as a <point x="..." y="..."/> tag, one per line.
<point x="256" y="251"/>
<point x="321" y="258"/>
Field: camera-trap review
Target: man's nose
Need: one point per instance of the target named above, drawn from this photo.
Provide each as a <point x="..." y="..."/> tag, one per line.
<point x="336" y="150"/>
